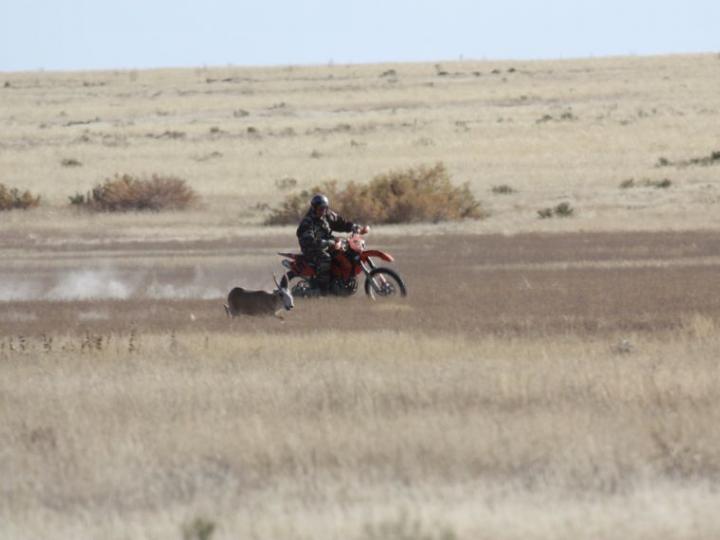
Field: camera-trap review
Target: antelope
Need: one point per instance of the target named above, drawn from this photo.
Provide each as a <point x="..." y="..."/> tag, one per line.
<point x="243" y="302"/>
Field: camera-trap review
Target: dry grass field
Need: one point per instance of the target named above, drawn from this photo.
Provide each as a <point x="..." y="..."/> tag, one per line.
<point x="553" y="131"/>
<point x="545" y="378"/>
<point x="384" y="434"/>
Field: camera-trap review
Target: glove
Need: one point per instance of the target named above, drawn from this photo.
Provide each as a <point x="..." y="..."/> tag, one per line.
<point x="364" y="229"/>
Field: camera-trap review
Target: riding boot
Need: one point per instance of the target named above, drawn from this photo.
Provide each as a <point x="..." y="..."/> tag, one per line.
<point x="323" y="283"/>
<point x="322" y="270"/>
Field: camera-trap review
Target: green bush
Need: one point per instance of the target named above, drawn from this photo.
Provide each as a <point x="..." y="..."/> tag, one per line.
<point x="414" y="195"/>
<point x="127" y="193"/>
<point x="12" y="198"/>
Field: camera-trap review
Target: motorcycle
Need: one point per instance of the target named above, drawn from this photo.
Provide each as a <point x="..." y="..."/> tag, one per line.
<point x="349" y="261"/>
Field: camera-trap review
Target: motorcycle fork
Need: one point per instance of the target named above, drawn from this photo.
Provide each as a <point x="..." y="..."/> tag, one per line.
<point x="367" y="266"/>
<point x="367" y="271"/>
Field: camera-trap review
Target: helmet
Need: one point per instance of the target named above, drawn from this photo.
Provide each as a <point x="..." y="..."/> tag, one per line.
<point x="319" y="201"/>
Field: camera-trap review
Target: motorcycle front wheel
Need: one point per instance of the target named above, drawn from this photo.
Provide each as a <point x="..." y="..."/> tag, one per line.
<point x="384" y="283"/>
<point x="302" y="288"/>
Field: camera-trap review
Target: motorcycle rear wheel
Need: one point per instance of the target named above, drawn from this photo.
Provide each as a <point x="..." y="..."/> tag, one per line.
<point x="384" y="283"/>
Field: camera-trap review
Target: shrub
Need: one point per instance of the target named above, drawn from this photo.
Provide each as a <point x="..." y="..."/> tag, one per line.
<point x="420" y="194"/>
<point x="198" y="529"/>
<point x="503" y="189"/>
<point x="12" y="198"/>
<point x="561" y="210"/>
<point x="545" y="213"/>
<point x="285" y="183"/>
<point x="125" y="193"/>
<point x="705" y="161"/>
<point x="712" y="159"/>
<point x="646" y="182"/>
<point x="564" y="210"/>
<point x="77" y="200"/>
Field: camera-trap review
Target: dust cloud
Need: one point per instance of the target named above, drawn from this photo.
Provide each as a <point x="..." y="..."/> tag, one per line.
<point x="124" y="284"/>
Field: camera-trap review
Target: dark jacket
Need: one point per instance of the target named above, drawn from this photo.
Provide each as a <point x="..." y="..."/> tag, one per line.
<point x="313" y="231"/>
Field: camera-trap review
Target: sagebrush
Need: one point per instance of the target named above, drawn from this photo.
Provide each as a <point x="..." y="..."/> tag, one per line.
<point x="126" y="193"/>
<point x="12" y="198"/>
<point x="561" y="210"/>
<point x="414" y="195"/>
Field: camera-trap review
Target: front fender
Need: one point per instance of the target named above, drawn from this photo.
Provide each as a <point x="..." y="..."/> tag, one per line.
<point x="377" y="253"/>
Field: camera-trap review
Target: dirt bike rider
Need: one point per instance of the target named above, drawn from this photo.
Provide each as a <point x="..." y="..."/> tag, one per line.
<point x="316" y="240"/>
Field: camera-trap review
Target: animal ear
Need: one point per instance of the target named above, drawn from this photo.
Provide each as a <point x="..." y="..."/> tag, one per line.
<point x="276" y="282"/>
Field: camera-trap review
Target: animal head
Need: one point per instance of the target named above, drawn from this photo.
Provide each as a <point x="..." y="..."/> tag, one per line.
<point x="284" y="293"/>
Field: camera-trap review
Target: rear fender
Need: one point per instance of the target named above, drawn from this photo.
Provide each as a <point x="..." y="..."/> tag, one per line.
<point x="377" y="253"/>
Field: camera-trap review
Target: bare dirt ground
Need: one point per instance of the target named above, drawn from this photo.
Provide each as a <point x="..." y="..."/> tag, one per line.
<point x="526" y="284"/>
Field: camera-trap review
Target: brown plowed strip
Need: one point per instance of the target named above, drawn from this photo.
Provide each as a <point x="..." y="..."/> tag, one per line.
<point x="526" y="284"/>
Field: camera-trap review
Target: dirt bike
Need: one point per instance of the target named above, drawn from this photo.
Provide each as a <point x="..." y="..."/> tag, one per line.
<point x="350" y="259"/>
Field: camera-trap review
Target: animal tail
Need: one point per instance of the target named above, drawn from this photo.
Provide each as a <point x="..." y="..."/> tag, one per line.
<point x="227" y="310"/>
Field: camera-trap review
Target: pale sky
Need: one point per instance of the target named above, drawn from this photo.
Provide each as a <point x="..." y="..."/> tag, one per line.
<point x="109" y="34"/>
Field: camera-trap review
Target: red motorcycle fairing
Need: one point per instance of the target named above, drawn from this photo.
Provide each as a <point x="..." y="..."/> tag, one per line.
<point x="376" y="253"/>
<point x="297" y="264"/>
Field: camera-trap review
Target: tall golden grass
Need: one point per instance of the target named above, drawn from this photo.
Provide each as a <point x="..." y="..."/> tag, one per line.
<point x="361" y="435"/>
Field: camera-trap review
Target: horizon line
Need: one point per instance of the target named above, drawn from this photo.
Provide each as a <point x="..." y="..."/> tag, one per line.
<point x="331" y="63"/>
